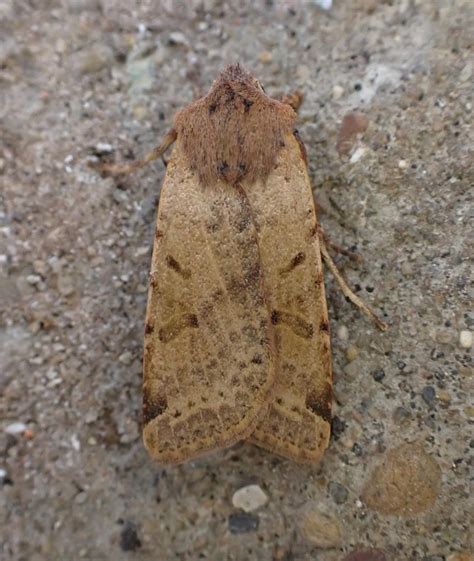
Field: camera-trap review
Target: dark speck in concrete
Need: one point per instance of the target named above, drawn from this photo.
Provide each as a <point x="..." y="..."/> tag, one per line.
<point x="428" y="393"/>
<point x="129" y="540"/>
<point x="243" y="522"/>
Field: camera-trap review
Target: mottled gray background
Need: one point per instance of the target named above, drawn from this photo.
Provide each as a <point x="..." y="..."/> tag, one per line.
<point x="76" y="481"/>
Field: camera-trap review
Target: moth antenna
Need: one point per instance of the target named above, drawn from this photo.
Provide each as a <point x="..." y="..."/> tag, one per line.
<point x="124" y="169"/>
<point x="346" y="290"/>
<point x="352" y="255"/>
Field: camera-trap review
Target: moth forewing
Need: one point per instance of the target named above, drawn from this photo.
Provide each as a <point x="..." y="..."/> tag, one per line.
<point x="209" y="358"/>
<point x="297" y="424"/>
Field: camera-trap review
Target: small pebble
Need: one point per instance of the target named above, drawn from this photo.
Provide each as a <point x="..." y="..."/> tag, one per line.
<point x="444" y="396"/>
<point x="141" y="251"/>
<point x="249" y="498"/>
<point x="337" y="92"/>
<point x="403" y="164"/>
<point x="177" y="38"/>
<point x="126" y="357"/>
<point x="265" y="57"/>
<point x="428" y="393"/>
<point x="15" y="428"/>
<point x="40" y="267"/>
<point x="343" y="333"/>
<point x="356" y="448"/>
<point x="359" y="154"/>
<point x="60" y="46"/>
<point x="80" y="498"/>
<point x="243" y="522"/>
<point x="469" y="411"/>
<point x="400" y="415"/>
<point x="33" y="279"/>
<point x="406" y="269"/>
<point x="66" y="285"/>
<point x="338" y="492"/>
<point x="352" y="353"/>
<point x="443" y="337"/>
<point x="320" y="528"/>
<point x="94" y="59"/>
<point x="129" y="540"/>
<point x="75" y="443"/>
<point x="466" y="72"/>
<point x="405" y="483"/>
<point x="378" y="375"/>
<point x="140" y="112"/>
<point x="103" y="148"/>
<point x="353" y="123"/>
<point x="347" y="441"/>
<point x="465" y="339"/>
<point x="352" y="369"/>
<point x="324" y="4"/>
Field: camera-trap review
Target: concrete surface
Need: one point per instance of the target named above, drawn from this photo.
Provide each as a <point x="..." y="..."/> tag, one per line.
<point x="76" y="480"/>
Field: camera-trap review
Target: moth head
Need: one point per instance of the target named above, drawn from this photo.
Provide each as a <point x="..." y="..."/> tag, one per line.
<point x="236" y="131"/>
<point x="235" y="79"/>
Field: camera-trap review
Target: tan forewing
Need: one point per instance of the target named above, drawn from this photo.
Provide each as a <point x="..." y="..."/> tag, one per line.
<point x="209" y="356"/>
<point x="297" y="424"/>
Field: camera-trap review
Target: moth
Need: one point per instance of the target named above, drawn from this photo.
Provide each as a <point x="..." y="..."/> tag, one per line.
<point x="237" y="343"/>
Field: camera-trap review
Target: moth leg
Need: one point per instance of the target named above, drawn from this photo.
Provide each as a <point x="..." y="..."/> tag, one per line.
<point x="348" y="293"/>
<point x="294" y="99"/>
<point x="119" y="169"/>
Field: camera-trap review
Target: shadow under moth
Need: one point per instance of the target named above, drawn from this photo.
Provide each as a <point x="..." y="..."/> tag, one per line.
<point x="237" y="343"/>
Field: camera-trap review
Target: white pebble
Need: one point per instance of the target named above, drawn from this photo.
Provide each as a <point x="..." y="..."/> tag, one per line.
<point x="249" y="498"/>
<point x="343" y="333"/>
<point x="33" y="279"/>
<point x="75" y="443"/>
<point x="465" y="339"/>
<point x="3" y="474"/>
<point x="104" y="148"/>
<point x="324" y="4"/>
<point x="358" y="154"/>
<point x="178" y="38"/>
<point x="142" y="251"/>
<point x="337" y="92"/>
<point x="403" y="164"/>
<point x="15" y="428"/>
<point x="126" y="357"/>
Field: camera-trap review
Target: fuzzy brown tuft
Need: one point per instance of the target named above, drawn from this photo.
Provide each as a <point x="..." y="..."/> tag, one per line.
<point x="235" y="131"/>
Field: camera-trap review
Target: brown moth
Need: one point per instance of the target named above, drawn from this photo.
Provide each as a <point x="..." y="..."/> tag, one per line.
<point x="237" y="335"/>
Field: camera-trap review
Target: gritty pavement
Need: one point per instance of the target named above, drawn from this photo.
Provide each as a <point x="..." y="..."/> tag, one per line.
<point x="81" y="79"/>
